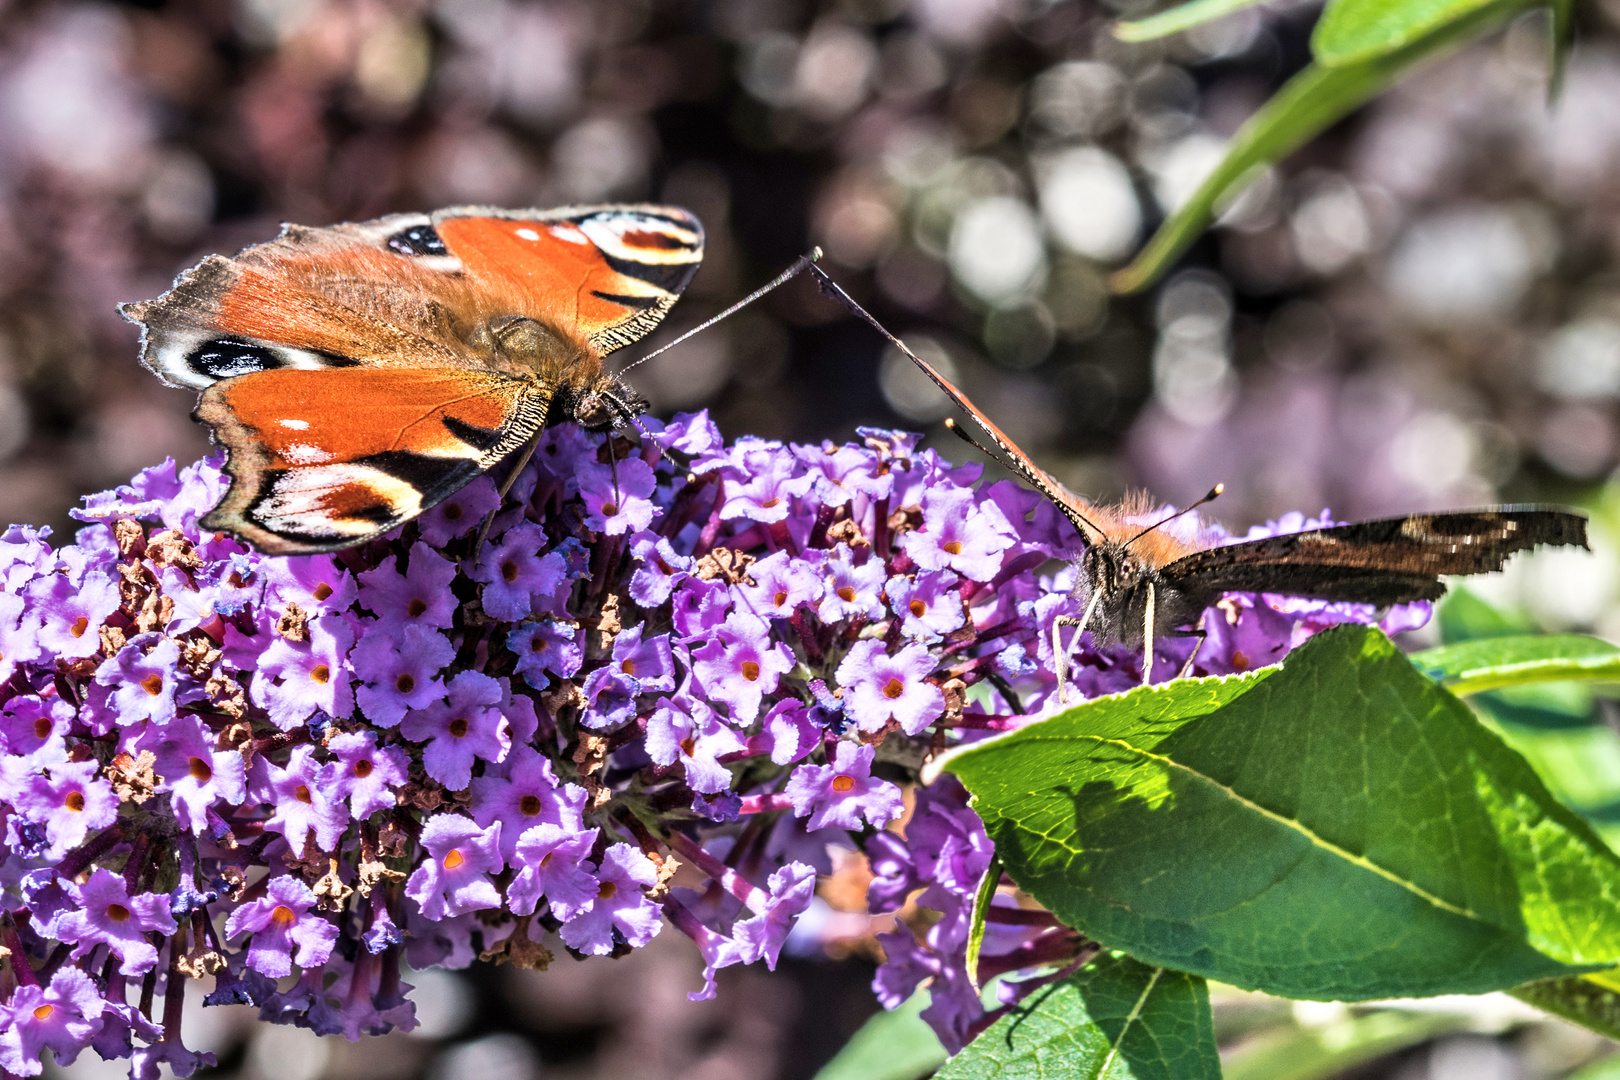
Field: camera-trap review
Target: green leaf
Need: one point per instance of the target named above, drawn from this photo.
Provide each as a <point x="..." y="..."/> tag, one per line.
<point x="1295" y="1053"/>
<point x="1354" y="31"/>
<point x="1562" y="40"/>
<point x="895" y="1045"/>
<point x="1308" y="103"/>
<point x="1463" y="616"/>
<point x="1545" y="706"/>
<point x="1339" y="827"/>
<point x="1490" y="663"/>
<point x="1115" y="1019"/>
<point x="1177" y="19"/>
<point x="1602" y="1069"/>
<point x="1581" y="1001"/>
<point x="981" y="906"/>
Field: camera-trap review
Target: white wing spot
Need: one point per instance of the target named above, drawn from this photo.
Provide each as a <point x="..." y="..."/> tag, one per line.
<point x="304" y="454"/>
<point x="295" y="425"/>
<point x="528" y="234"/>
<point x="568" y="233"/>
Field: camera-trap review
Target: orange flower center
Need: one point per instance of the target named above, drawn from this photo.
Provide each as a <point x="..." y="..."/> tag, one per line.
<point x="918" y="608"/>
<point x="322" y="591"/>
<point x="458" y="727"/>
<point x="1240" y="660"/>
<point x="688" y="744"/>
<point x="509" y="570"/>
<point x="415" y="607"/>
<point x="610" y="509"/>
<point x="770" y="502"/>
<point x="453" y="858"/>
<point x="628" y="667"/>
<point x="750" y="670"/>
<point x="846" y="593"/>
<point x="529" y="805"/>
<point x="843" y="784"/>
<point x="301" y="793"/>
<point x="893" y="689"/>
<point x="42" y="728"/>
<point x="405" y="683"/>
<point x="283" y="915"/>
<point x="74" y="801"/>
<point x="153" y="684"/>
<point x="781" y="597"/>
<point x="953" y="547"/>
<point x="117" y="912"/>
<point x="44" y="1012"/>
<point x="200" y="770"/>
<point x="362" y="768"/>
<point x="320" y="673"/>
<point x="80" y="625"/>
<point x="606" y="891"/>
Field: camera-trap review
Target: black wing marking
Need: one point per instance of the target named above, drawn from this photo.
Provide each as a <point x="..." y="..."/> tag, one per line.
<point x="1389" y="561"/>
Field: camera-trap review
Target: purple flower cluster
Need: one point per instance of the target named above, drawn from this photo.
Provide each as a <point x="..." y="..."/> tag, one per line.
<point x="677" y="674"/>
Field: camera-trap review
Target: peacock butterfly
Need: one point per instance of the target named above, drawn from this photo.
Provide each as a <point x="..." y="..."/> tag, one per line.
<point x="1136" y="582"/>
<point x="358" y="374"/>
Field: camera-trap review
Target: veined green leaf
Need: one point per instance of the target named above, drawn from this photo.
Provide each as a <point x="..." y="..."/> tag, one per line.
<point x="1115" y="1019"/>
<point x="1490" y="663"/>
<point x="1179" y="18"/>
<point x="1310" y="101"/>
<point x="1335" y="828"/>
<point x="897" y="1045"/>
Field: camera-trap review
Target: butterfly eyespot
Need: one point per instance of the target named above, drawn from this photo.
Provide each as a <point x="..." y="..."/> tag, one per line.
<point x="418" y="240"/>
<point x="225" y="359"/>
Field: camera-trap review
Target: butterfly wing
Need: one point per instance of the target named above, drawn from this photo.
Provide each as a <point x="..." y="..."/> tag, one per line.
<point x="377" y="336"/>
<point x="610" y="271"/>
<point x="1389" y="561"/>
<point x="419" y="291"/>
<point x="322" y="460"/>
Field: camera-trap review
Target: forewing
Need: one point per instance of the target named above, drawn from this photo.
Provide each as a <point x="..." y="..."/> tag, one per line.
<point x="321" y="460"/>
<point x="379" y="293"/>
<point x="606" y="273"/>
<point x="1389" y="561"/>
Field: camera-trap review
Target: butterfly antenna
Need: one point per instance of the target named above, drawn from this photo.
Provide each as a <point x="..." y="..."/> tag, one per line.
<point x="1214" y="493"/>
<point x="1016" y="460"/>
<point x="779" y="280"/>
<point x="956" y="429"/>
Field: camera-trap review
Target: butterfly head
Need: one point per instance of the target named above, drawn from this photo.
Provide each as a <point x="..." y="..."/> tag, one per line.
<point x="606" y="404"/>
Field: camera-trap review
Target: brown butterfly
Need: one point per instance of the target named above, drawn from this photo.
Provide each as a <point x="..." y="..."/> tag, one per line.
<point x="1139" y="582"/>
<point x="360" y="373"/>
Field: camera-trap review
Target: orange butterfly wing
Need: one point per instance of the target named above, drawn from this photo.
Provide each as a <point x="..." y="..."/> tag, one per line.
<point x="321" y="460"/>
<point x="400" y="314"/>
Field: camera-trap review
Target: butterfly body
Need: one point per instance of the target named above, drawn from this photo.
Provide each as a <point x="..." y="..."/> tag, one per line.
<point x="360" y="373"/>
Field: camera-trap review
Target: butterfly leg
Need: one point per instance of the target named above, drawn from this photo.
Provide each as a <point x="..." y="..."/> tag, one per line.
<point x="1202" y="635"/>
<point x="1060" y="655"/>
<point x="1147" y="638"/>
<point x="506" y="485"/>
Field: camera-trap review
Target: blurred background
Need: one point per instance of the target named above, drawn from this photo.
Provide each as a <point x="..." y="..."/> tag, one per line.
<point x="1420" y="310"/>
